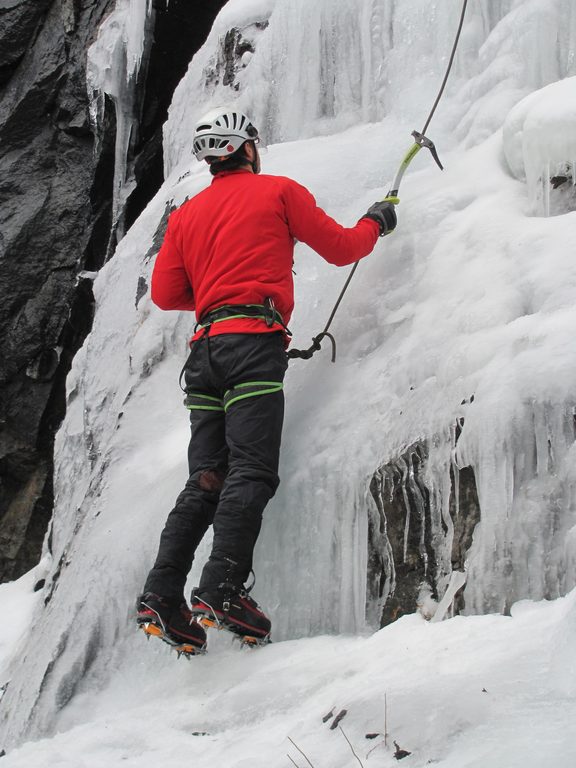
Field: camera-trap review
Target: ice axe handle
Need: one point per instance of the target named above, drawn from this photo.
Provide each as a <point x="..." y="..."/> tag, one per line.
<point x="420" y="141"/>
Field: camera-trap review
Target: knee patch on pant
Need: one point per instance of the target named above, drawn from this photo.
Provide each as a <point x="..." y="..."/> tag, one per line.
<point x="211" y="480"/>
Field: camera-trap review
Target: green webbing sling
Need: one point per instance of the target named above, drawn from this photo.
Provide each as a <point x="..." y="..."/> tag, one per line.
<point x="199" y="401"/>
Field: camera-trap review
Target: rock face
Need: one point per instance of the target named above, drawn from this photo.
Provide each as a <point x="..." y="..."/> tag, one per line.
<point x="50" y="212"/>
<point x="55" y="223"/>
<point x="413" y="545"/>
<point x="180" y="29"/>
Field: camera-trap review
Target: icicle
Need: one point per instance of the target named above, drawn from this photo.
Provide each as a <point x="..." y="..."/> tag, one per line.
<point x="113" y="65"/>
<point x="404" y="469"/>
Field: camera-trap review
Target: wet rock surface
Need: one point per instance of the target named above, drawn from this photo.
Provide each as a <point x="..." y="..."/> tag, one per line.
<point x="49" y="207"/>
<point x="412" y="548"/>
<point x="55" y="223"/>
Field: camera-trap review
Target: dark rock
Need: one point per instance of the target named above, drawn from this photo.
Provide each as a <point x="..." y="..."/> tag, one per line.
<point x="47" y="210"/>
<point x="141" y="290"/>
<point x="403" y="543"/>
<point x="562" y="194"/>
<point x="160" y="232"/>
<point x="56" y="181"/>
<point x="337" y="720"/>
<point x="180" y="28"/>
<point x="19" y="20"/>
<point x="230" y="58"/>
<point x="400" y="753"/>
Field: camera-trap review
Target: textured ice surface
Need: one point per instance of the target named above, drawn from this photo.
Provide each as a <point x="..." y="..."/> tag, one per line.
<point x="469" y="296"/>
<point x="321" y="67"/>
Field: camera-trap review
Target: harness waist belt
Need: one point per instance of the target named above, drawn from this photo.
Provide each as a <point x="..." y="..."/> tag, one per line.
<point x="266" y="312"/>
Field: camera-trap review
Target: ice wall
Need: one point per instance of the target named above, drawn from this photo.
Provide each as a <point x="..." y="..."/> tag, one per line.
<point x="469" y="297"/>
<point x="318" y="68"/>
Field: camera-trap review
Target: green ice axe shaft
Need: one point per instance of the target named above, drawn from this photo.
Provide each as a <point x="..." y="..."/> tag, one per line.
<point x="419" y="141"/>
<point x="392" y="197"/>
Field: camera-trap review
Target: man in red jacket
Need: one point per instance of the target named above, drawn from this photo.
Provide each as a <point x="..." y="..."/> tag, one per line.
<point x="227" y="255"/>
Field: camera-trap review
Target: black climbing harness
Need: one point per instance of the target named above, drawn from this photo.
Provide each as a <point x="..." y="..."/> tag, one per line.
<point x="266" y="311"/>
<point x="420" y="141"/>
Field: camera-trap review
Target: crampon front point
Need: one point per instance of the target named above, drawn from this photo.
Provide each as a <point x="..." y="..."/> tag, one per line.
<point x="187" y="650"/>
<point x="246" y="640"/>
<point x="172" y="622"/>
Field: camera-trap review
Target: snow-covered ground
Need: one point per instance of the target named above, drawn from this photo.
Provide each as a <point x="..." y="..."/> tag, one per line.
<point x="474" y="294"/>
<point x="471" y="692"/>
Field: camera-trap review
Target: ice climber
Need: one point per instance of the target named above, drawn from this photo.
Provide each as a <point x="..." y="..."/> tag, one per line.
<point x="227" y="255"/>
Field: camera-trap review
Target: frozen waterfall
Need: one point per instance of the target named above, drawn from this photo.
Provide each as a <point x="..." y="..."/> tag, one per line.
<point x="113" y="65"/>
<point x="465" y="316"/>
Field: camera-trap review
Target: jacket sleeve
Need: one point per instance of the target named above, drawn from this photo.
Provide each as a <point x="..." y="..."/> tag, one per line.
<point x="337" y="244"/>
<point x="171" y="288"/>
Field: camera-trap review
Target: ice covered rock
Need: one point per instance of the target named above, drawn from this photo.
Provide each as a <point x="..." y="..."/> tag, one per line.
<point x="540" y="146"/>
<point x="419" y="530"/>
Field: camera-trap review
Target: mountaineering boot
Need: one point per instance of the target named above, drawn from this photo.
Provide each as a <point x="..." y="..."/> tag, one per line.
<point x="171" y="621"/>
<point x="234" y="611"/>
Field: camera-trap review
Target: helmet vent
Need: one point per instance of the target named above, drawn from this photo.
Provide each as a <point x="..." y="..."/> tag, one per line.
<point x="222" y="132"/>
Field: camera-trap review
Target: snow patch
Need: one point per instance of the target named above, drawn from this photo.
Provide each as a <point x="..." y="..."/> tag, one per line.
<point x="476" y="691"/>
<point x="540" y="141"/>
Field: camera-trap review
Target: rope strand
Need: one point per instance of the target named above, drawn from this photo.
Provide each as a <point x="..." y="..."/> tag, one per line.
<point x="306" y="354"/>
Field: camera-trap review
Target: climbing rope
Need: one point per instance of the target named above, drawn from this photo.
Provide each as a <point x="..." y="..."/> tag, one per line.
<point x="420" y="141"/>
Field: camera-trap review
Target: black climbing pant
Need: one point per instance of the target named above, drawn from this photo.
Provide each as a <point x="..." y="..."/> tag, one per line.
<point x="234" y="386"/>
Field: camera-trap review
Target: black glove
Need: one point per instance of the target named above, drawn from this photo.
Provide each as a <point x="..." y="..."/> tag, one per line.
<point x="384" y="214"/>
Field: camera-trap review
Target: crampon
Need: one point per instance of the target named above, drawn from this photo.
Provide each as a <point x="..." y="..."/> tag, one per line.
<point x="248" y="641"/>
<point x="188" y="640"/>
<point x="182" y="649"/>
<point x="239" y="615"/>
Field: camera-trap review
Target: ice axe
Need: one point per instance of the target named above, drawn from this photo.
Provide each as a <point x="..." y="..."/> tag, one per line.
<point x="419" y="141"/>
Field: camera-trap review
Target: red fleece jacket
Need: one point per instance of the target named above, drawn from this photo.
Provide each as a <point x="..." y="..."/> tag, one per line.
<point x="233" y="243"/>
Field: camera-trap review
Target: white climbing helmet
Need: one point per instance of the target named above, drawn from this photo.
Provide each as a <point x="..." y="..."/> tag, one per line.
<point x="221" y="132"/>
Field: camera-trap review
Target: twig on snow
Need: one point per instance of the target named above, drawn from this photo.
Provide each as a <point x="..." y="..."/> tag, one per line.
<point x="299" y="750"/>
<point x="380" y="743"/>
<point x="386" y="720"/>
<point x="351" y="747"/>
